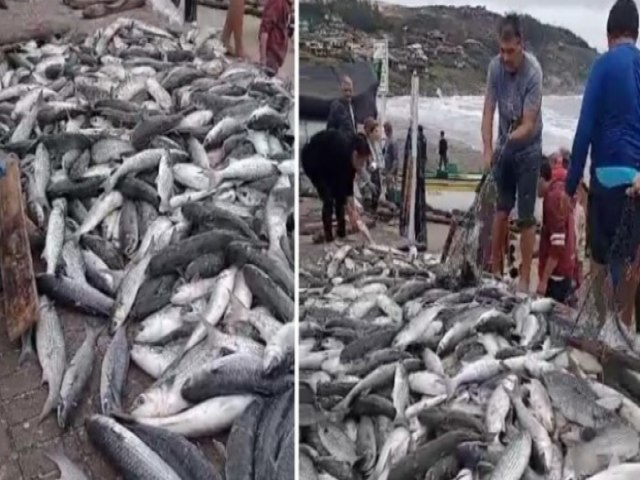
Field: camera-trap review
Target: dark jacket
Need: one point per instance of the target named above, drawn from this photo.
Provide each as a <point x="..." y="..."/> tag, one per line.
<point x="340" y="116"/>
<point x="422" y="147"/>
<point x="443" y="146"/>
<point x="326" y="160"/>
<point x="390" y="156"/>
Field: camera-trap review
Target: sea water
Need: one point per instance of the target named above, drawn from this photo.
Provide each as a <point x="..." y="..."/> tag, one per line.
<point x="461" y="116"/>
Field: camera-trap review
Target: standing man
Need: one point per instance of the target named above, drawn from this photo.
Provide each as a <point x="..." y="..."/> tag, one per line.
<point x="341" y="114"/>
<point x="274" y="34"/>
<point x="443" y="148"/>
<point x="390" y="155"/>
<point x="609" y="124"/>
<point x="390" y="150"/>
<point x="514" y="85"/>
<point x="422" y="151"/>
<point x="331" y="160"/>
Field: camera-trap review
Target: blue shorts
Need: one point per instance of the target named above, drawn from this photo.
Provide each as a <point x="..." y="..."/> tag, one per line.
<point x="517" y="175"/>
<point x="613" y="224"/>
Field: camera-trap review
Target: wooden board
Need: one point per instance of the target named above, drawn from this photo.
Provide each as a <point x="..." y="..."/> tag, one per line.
<point x="18" y="278"/>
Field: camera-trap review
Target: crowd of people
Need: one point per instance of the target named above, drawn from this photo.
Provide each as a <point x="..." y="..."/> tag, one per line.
<point x="376" y="180"/>
<point x="599" y="221"/>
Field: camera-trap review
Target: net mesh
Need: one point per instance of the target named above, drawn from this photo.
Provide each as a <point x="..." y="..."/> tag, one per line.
<point x="468" y="250"/>
<point x="601" y="298"/>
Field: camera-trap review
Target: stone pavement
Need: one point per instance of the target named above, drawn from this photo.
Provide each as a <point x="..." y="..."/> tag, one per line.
<point x="22" y="440"/>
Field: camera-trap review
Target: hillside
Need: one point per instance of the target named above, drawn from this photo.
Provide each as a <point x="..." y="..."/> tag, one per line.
<point x="450" y="47"/>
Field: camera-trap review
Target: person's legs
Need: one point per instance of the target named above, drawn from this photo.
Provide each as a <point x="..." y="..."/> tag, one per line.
<point x="599" y="241"/>
<point x="627" y="290"/>
<point x="559" y="290"/>
<point x="227" y="30"/>
<point x="340" y="204"/>
<point x="237" y="6"/>
<point x="528" y="172"/>
<point x="325" y="197"/>
<point x="190" y="11"/>
<point x="506" y="188"/>
<point x="637" y="307"/>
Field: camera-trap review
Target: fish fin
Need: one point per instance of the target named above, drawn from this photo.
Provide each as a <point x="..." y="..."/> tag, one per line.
<point x="215" y="179"/>
<point x="236" y="312"/>
<point x="27" y="355"/>
<point x="615" y="460"/>
<point x="55" y="453"/>
<point x="27" y="352"/>
<point x="49" y="405"/>
<point x="219" y="448"/>
<point x="450" y="387"/>
<point x="123" y="417"/>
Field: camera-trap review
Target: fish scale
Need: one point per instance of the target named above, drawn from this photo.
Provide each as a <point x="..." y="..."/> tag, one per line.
<point x="126" y="450"/>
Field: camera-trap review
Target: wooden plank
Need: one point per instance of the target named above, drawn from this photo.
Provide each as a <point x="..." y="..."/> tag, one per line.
<point x="18" y="278"/>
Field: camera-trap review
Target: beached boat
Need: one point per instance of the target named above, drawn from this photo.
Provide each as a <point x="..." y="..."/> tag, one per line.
<point x="459" y="182"/>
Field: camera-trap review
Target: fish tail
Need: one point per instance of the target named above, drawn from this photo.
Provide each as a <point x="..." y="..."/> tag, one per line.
<point x="27" y="355"/>
<point x="450" y="386"/>
<point x="49" y="404"/>
<point x="215" y="179"/>
<point x="62" y="416"/>
<point x="109" y="184"/>
<point x="55" y="453"/>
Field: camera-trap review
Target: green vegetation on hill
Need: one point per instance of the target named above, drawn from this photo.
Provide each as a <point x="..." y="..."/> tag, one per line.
<point x="457" y="42"/>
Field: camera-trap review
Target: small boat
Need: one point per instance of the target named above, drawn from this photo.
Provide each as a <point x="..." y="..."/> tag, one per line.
<point x="458" y="182"/>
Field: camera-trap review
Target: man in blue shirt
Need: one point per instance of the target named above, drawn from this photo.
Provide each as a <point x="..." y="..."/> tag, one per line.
<point x="514" y="85"/>
<point x="610" y="124"/>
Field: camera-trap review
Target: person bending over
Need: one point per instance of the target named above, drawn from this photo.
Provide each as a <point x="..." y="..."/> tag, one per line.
<point x="609" y="124"/>
<point x="557" y="238"/>
<point x="331" y="160"/>
<point x="514" y="85"/>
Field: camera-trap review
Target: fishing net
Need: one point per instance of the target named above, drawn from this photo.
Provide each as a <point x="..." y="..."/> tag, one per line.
<point x="469" y="248"/>
<point x="601" y="297"/>
<point x="599" y="301"/>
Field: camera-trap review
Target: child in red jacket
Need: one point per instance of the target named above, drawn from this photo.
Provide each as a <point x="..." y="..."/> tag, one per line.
<point x="557" y="239"/>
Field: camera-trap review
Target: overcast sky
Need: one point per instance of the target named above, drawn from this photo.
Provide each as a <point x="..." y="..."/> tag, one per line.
<point x="586" y="18"/>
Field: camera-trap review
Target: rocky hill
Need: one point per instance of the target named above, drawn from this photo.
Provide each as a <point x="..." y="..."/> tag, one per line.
<point x="450" y="47"/>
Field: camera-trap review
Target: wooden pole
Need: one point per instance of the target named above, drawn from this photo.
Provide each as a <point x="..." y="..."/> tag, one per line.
<point x="16" y="264"/>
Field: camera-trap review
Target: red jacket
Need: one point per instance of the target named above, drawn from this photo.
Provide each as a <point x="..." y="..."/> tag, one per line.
<point x="275" y="23"/>
<point x="558" y="236"/>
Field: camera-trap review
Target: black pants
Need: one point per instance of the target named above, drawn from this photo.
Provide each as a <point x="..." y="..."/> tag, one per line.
<point x="638" y="310"/>
<point x="330" y="204"/>
<point x="190" y="11"/>
<point x="443" y="161"/>
<point x="559" y="290"/>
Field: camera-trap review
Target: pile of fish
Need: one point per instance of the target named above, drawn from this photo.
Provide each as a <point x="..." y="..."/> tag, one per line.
<point x="162" y="177"/>
<point x="405" y="375"/>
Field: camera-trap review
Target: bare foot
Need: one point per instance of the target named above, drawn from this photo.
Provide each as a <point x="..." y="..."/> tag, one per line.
<point x="227" y="46"/>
